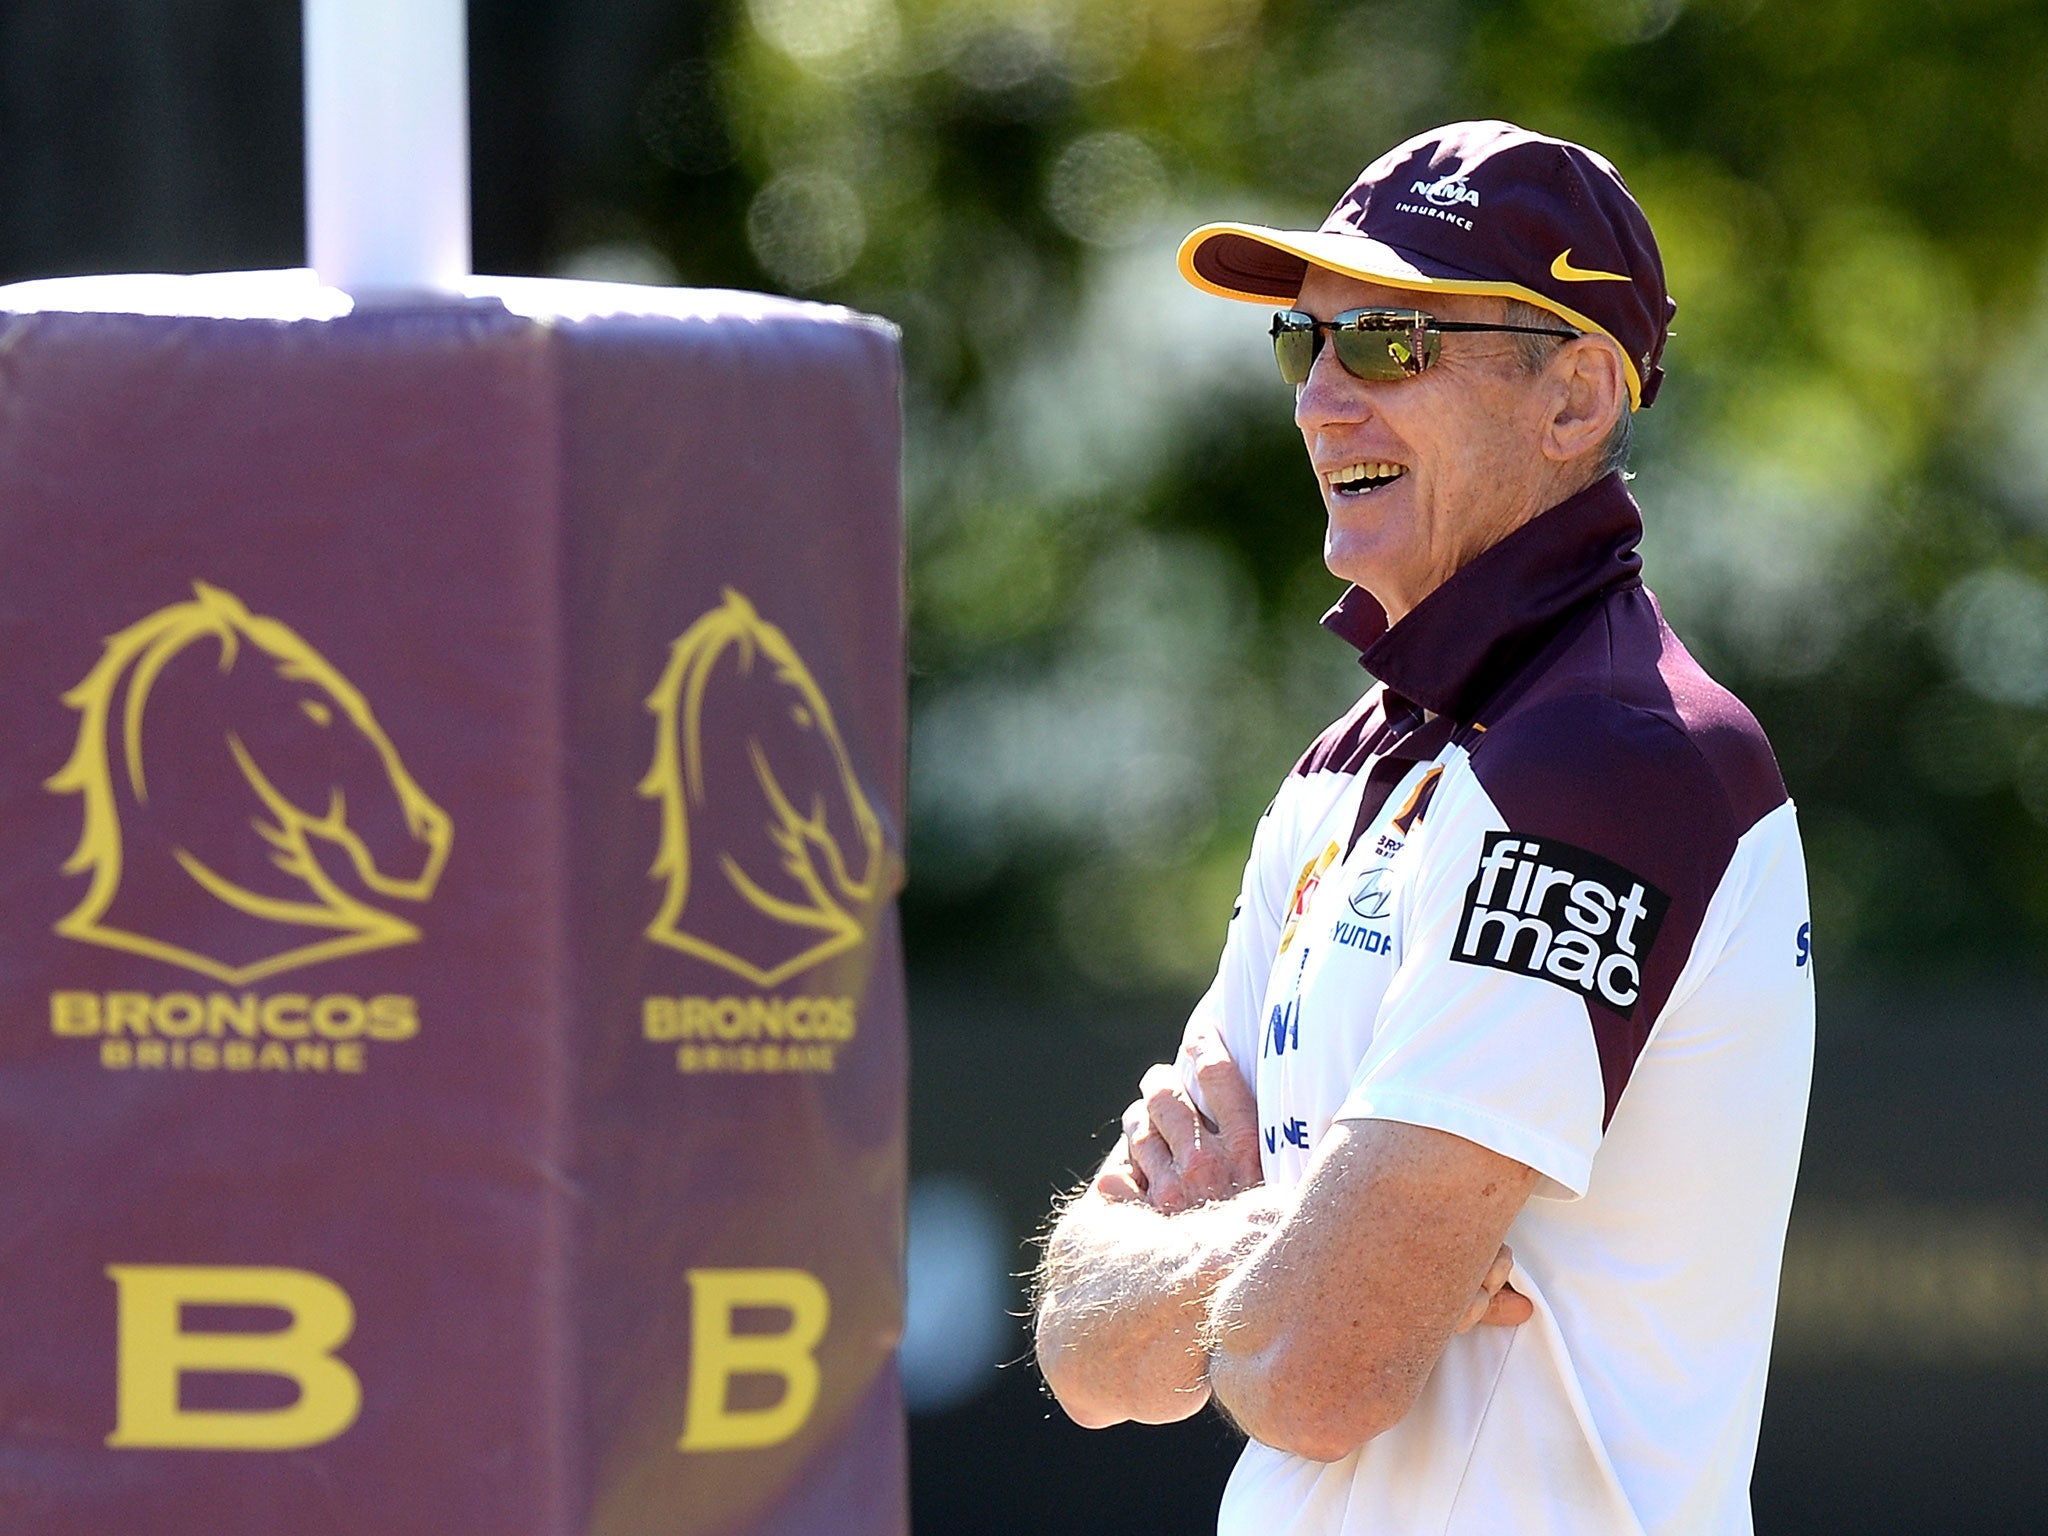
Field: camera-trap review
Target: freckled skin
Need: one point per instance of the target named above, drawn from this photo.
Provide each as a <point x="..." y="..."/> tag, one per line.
<point x="1483" y="441"/>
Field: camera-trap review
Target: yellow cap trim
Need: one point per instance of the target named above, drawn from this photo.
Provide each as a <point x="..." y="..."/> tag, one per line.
<point x="1284" y="240"/>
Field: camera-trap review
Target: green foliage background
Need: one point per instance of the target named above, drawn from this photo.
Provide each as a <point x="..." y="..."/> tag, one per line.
<point x="1115" y="571"/>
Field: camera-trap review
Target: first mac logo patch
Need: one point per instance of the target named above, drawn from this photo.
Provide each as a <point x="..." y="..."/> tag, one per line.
<point x="1560" y="914"/>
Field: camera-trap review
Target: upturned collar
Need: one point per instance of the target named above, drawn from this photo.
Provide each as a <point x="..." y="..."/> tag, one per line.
<point x="1456" y="647"/>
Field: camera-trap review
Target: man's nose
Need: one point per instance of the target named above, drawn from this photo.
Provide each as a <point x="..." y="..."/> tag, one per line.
<point x="1329" y="396"/>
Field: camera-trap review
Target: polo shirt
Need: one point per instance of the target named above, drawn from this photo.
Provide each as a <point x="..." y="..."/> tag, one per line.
<point x="1542" y="888"/>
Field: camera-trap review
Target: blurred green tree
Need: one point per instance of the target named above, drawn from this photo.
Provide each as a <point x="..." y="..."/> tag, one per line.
<point x="1115" y="536"/>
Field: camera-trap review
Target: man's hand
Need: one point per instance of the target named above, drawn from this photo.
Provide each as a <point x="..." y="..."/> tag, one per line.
<point x="1177" y="1156"/>
<point x="1498" y="1303"/>
<point x="1174" y="1156"/>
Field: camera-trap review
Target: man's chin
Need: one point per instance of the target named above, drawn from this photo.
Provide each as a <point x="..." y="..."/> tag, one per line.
<point x="1362" y="562"/>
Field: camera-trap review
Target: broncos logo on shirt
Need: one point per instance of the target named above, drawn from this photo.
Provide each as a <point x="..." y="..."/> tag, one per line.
<point x="1305" y="892"/>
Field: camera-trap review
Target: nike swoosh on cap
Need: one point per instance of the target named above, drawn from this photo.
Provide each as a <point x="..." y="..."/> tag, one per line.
<point x="1563" y="270"/>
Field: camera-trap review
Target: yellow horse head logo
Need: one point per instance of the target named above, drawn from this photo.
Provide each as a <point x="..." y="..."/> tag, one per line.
<point x="770" y="852"/>
<point x="244" y="811"/>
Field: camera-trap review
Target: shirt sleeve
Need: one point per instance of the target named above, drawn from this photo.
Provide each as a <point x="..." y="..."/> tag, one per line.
<point x="1563" y="876"/>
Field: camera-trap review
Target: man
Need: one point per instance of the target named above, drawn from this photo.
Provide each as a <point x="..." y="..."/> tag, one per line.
<point x="1514" y="1018"/>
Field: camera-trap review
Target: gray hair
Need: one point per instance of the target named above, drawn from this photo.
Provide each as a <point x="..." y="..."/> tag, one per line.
<point x="1534" y="353"/>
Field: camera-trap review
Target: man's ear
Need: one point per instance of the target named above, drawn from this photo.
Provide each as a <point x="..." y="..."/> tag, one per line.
<point x="1591" y="393"/>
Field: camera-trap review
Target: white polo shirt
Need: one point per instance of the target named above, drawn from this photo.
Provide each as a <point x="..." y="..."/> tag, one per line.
<point x="1543" y="889"/>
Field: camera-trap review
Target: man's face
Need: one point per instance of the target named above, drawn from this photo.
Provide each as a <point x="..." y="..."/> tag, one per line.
<point x="1465" y="435"/>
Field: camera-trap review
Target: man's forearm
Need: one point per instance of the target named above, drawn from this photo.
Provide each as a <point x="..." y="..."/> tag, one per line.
<point x="1123" y="1293"/>
<point x="1325" y="1335"/>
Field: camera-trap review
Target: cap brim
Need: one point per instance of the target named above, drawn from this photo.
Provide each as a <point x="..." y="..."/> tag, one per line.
<point x="1259" y="265"/>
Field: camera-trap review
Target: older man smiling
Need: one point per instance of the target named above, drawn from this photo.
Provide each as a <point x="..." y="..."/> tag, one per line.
<point x="1513" y="1024"/>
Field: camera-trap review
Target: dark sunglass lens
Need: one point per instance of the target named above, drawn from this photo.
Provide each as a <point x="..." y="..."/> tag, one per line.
<point x="1294" y="346"/>
<point x="1384" y="352"/>
<point x="1371" y="353"/>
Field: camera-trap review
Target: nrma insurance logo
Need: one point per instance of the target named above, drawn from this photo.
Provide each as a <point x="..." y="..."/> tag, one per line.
<point x="771" y="857"/>
<point x="1447" y="192"/>
<point x="1563" y="915"/>
<point x="243" y="814"/>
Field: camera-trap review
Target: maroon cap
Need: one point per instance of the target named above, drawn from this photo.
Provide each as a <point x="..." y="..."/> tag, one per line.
<point x="1483" y="208"/>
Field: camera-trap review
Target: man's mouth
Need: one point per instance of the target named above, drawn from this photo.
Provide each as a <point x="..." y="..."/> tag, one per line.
<point x="1364" y="479"/>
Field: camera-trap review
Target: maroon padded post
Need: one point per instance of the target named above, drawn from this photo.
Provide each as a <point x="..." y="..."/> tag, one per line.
<point x="452" y="1053"/>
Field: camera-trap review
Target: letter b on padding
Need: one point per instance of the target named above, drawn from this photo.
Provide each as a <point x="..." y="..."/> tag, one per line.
<point x="156" y="1352"/>
<point x="718" y="1354"/>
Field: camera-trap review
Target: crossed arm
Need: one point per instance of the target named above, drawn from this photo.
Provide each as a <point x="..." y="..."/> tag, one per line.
<point x="1312" y="1318"/>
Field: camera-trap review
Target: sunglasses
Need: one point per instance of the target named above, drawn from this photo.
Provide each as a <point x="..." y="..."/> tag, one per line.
<point x="1378" y="344"/>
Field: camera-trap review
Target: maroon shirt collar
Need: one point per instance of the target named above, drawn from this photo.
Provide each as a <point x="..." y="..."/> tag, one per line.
<point x="1458" y="645"/>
